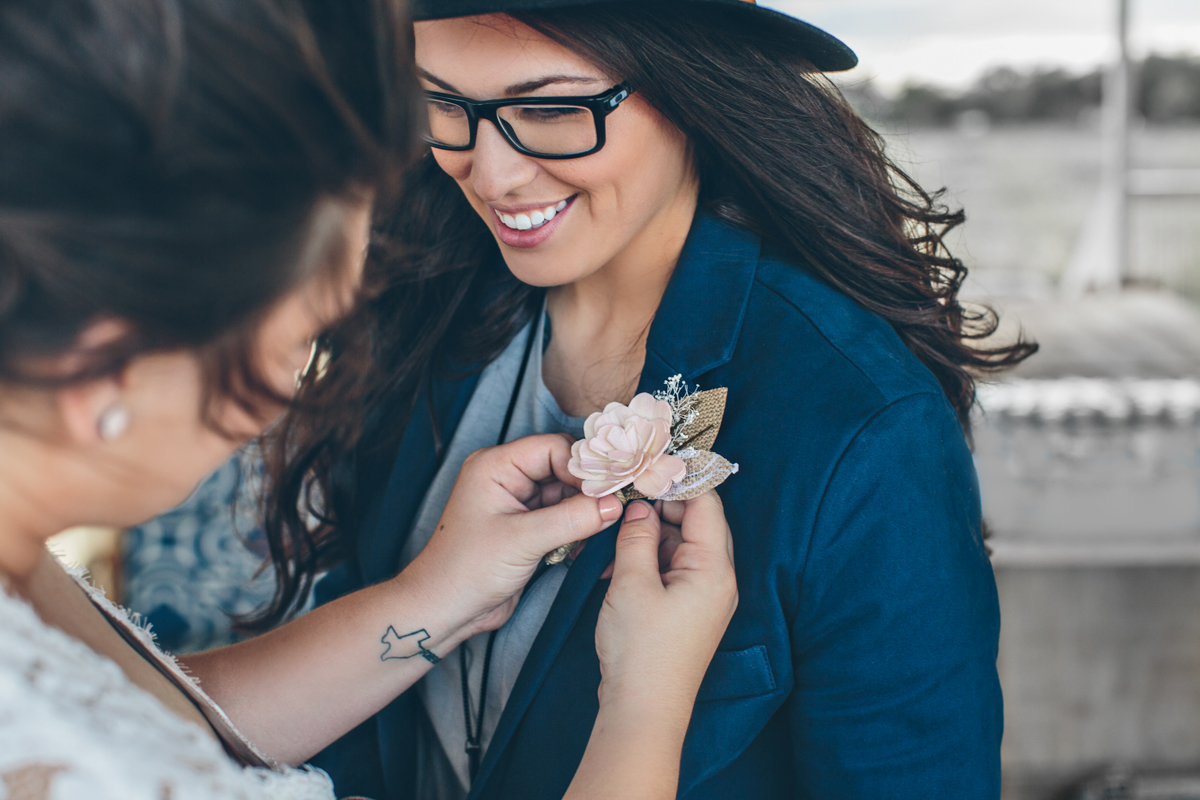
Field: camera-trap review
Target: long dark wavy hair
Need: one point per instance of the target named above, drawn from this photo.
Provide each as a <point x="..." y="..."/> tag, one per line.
<point x="778" y="151"/>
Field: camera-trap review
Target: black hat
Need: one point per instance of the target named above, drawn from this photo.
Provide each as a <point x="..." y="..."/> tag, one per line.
<point x="824" y="51"/>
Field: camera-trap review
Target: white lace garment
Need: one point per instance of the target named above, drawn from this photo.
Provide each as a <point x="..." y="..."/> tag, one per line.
<point x="73" y="726"/>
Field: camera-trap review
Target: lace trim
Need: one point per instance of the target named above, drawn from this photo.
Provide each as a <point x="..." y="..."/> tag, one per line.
<point x="73" y="725"/>
<point x="139" y="628"/>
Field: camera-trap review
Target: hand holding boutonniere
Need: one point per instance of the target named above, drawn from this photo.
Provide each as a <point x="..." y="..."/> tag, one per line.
<point x="656" y="448"/>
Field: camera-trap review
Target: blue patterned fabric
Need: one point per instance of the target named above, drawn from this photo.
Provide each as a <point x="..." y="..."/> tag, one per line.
<point x="189" y="569"/>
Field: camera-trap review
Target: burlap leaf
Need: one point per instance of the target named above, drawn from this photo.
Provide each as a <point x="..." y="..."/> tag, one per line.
<point x="706" y="470"/>
<point x="701" y="432"/>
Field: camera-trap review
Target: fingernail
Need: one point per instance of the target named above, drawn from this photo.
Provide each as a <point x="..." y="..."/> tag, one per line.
<point x="636" y="511"/>
<point x="610" y="508"/>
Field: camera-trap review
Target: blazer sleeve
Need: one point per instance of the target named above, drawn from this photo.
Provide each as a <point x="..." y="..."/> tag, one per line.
<point x="895" y="636"/>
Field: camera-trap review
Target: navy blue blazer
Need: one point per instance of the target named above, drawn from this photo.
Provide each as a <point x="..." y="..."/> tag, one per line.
<point x="861" y="662"/>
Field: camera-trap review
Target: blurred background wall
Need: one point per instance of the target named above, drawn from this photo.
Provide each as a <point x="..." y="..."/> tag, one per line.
<point x="1086" y="233"/>
<point x="1083" y="232"/>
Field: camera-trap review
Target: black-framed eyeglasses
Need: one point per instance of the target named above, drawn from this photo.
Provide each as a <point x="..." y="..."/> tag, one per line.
<point x="542" y="127"/>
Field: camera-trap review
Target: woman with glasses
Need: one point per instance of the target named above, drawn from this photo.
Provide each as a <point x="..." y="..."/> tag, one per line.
<point x="618" y="193"/>
<point x="185" y="206"/>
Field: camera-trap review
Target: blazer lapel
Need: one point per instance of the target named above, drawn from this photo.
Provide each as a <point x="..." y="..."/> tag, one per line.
<point x="695" y="331"/>
<point x="416" y="463"/>
<point x="576" y="587"/>
<point x="384" y="532"/>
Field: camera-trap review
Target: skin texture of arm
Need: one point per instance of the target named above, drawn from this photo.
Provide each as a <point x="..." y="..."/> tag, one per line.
<point x="633" y="753"/>
<point x="300" y="687"/>
<point x="655" y="637"/>
<point x="295" y="689"/>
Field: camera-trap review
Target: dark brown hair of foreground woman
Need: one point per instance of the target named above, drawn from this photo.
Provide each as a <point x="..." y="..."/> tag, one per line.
<point x="778" y="151"/>
<point x="199" y="227"/>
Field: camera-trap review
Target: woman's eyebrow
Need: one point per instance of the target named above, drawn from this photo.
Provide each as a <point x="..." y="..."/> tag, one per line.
<point x="429" y="76"/>
<point x="516" y="89"/>
<point x="538" y="83"/>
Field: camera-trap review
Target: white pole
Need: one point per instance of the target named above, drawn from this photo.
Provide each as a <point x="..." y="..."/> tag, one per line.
<point x="1101" y="258"/>
<point x="1118" y="102"/>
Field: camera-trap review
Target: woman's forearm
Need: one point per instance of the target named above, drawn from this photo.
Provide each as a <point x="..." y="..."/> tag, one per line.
<point x="655" y="638"/>
<point x="297" y="689"/>
<point x="633" y="753"/>
<point x="300" y="687"/>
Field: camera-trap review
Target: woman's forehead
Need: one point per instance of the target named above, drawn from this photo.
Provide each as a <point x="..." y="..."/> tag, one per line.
<point x="493" y="56"/>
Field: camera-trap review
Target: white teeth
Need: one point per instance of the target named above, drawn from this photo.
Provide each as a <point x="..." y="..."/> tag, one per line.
<point x="534" y="219"/>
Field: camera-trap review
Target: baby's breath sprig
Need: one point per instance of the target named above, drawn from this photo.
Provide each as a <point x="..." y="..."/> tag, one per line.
<point x="683" y="413"/>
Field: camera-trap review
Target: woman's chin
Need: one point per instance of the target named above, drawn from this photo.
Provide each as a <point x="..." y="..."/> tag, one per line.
<point x="544" y="272"/>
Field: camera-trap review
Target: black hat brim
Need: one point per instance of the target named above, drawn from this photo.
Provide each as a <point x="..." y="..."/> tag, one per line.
<point x="826" y="52"/>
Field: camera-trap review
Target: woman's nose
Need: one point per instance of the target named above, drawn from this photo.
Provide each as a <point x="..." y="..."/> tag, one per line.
<point x="497" y="169"/>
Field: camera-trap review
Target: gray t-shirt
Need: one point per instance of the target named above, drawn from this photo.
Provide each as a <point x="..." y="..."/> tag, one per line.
<point x="442" y="771"/>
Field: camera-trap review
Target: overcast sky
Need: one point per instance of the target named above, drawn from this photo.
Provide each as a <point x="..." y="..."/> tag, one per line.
<point x="952" y="42"/>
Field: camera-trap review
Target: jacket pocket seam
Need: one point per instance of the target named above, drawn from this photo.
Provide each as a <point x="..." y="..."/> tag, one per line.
<point x="732" y="661"/>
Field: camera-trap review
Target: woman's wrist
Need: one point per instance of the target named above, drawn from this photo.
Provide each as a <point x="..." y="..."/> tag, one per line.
<point x="634" y="751"/>
<point x="431" y="606"/>
<point x="653" y="687"/>
<point x="665" y="712"/>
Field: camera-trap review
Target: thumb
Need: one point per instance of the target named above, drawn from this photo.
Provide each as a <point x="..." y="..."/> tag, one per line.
<point x="572" y="520"/>
<point x="704" y="523"/>
<point x="637" y="545"/>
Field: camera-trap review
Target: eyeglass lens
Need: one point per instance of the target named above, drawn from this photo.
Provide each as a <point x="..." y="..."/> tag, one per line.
<point x="552" y="130"/>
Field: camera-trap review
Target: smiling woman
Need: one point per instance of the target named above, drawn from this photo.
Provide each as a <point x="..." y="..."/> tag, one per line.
<point x="737" y="227"/>
<point x="636" y="184"/>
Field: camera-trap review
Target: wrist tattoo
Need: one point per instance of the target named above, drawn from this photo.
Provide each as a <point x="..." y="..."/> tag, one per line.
<point x="406" y="646"/>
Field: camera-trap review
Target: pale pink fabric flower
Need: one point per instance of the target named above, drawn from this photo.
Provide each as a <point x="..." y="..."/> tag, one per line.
<point x="627" y="444"/>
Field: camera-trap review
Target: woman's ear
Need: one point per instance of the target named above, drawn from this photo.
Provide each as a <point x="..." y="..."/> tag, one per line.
<point x="92" y="411"/>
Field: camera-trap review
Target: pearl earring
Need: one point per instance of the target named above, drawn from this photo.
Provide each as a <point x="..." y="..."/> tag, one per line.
<point x="113" y="423"/>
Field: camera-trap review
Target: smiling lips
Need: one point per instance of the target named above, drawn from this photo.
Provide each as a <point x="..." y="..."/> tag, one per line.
<point x="531" y="220"/>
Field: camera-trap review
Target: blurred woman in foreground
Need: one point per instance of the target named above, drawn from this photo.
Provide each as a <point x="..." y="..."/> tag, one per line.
<point x="185" y="204"/>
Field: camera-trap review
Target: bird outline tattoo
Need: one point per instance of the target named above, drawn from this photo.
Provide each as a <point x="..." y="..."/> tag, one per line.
<point x="397" y="645"/>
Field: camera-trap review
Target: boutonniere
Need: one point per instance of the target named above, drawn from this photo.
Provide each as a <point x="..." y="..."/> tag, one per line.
<point x="656" y="448"/>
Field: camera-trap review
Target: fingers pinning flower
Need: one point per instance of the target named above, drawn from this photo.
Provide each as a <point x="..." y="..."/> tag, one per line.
<point x="625" y="445"/>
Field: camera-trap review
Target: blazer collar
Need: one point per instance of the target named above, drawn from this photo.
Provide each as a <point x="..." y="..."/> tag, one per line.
<point x="695" y="330"/>
<point x="698" y="322"/>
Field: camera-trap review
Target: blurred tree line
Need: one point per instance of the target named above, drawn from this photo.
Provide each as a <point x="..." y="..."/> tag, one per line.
<point x="1168" y="90"/>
